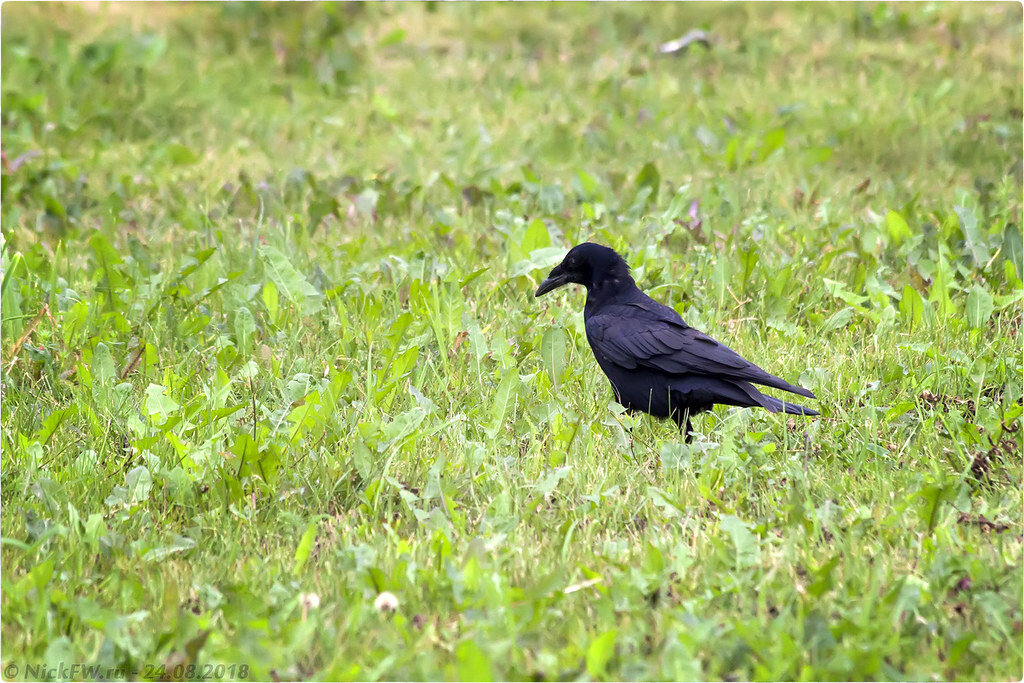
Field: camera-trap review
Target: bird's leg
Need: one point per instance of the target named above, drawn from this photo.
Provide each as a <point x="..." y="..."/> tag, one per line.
<point x="688" y="429"/>
<point x="641" y="466"/>
<point x="632" y="445"/>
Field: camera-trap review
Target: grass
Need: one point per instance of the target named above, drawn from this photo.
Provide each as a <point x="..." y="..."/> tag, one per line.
<point x="270" y="348"/>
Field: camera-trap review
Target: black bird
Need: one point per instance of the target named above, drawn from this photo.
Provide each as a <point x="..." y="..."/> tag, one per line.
<point x="657" y="363"/>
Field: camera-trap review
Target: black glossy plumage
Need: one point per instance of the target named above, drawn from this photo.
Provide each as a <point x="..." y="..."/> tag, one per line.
<point x="656" y="363"/>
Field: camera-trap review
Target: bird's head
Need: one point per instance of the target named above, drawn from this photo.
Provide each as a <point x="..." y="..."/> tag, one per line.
<point x="588" y="264"/>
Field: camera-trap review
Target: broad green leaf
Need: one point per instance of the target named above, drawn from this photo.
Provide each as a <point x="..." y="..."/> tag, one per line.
<point x="108" y="260"/>
<point x="105" y="253"/>
<point x="553" y="346"/>
<point x="837" y="290"/>
<point x="908" y="597"/>
<point x="973" y="237"/>
<point x="930" y="499"/>
<point x="404" y="363"/>
<point x="897" y="227"/>
<point x="654" y="561"/>
<point x="746" y="544"/>
<point x="539" y="259"/>
<point x="674" y="454"/>
<point x="138" y="483"/>
<point x="245" y="330"/>
<point x="651" y="178"/>
<point x="192" y="263"/>
<point x="749" y="259"/>
<point x="398" y="328"/>
<point x="824" y="579"/>
<point x="817" y="155"/>
<point x="433" y="489"/>
<point x="224" y="412"/>
<point x="404" y="424"/>
<point x="304" y="548"/>
<point x="773" y="140"/>
<point x="472" y="276"/>
<point x="220" y="284"/>
<point x="899" y="409"/>
<point x="299" y="385"/>
<point x="53" y="422"/>
<point x="290" y="282"/>
<point x="838" y="320"/>
<point x="40" y="574"/>
<point x="979" y="307"/>
<point x="363" y="459"/>
<point x="271" y="300"/>
<point x="177" y="545"/>
<point x="665" y="501"/>
<point x="588" y="186"/>
<point x="600" y="652"/>
<point x="679" y="205"/>
<point x="472" y="664"/>
<point x="504" y="398"/>
<point x="536" y="237"/>
<point x="159" y="404"/>
<point x="1010" y="274"/>
<point x="305" y="416"/>
<point x="551" y="199"/>
<point x="911" y="306"/>
<point x="180" y="155"/>
<point x="1013" y="249"/>
<point x="95" y="527"/>
<point x="944" y="282"/>
<point x="72" y="322"/>
<point x="10" y="296"/>
<point x="548" y="483"/>
<point x="394" y="37"/>
<point x="732" y="152"/>
<point x="246" y="449"/>
<point x="720" y="280"/>
<point x="103" y="371"/>
<point x="59" y="651"/>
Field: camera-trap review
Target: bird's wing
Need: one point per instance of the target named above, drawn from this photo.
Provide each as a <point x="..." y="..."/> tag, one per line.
<point x="650" y="335"/>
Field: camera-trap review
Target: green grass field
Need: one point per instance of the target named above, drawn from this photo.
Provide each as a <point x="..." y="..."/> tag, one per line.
<point x="270" y="346"/>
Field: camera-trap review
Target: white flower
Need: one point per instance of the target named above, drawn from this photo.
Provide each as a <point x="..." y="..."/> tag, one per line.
<point x="386" y="602"/>
<point x="309" y="600"/>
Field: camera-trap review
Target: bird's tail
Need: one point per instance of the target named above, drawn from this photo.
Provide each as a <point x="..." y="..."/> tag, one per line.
<point x="775" y="405"/>
<point x="778" y="383"/>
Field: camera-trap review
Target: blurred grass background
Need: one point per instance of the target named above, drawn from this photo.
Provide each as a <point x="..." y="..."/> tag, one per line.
<point x="270" y="346"/>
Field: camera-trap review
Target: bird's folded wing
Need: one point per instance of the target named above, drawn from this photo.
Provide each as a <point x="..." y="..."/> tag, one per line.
<point x="670" y="346"/>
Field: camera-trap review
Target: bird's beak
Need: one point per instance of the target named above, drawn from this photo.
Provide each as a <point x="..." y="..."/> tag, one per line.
<point x="554" y="280"/>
